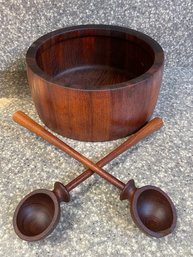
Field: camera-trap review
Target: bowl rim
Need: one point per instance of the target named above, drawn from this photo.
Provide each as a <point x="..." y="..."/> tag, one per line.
<point x="155" y="46"/>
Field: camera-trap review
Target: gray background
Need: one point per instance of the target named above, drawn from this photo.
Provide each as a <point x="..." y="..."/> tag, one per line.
<point x="169" y="22"/>
<point x="95" y="222"/>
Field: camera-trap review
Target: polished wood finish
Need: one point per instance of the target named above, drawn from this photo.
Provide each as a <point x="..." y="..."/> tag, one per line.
<point x="145" y="131"/>
<point x="95" y="82"/>
<point x="152" y="126"/>
<point x="38" y="213"/>
<point x="155" y="215"/>
<point x="25" y="121"/>
<point x="151" y="209"/>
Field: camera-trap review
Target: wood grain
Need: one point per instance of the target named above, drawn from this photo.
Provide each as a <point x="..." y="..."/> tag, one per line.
<point x="95" y="82"/>
<point x="25" y="121"/>
<point x="152" y="210"/>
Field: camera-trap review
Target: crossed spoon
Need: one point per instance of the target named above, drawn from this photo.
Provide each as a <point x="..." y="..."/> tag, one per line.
<point x="38" y="213"/>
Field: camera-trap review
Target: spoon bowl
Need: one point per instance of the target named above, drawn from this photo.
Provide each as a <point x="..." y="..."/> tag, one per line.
<point x="38" y="213"/>
<point x="153" y="211"/>
<point x="151" y="208"/>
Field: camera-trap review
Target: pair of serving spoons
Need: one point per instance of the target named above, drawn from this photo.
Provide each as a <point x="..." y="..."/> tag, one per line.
<point x="38" y="213"/>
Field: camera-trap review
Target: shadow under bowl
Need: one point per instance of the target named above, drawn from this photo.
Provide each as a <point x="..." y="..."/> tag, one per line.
<point x="95" y="82"/>
<point x="153" y="211"/>
<point x="36" y="215"/>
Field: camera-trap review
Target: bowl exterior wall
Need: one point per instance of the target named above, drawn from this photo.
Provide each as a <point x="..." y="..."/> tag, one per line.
<point x="95" y="115"/>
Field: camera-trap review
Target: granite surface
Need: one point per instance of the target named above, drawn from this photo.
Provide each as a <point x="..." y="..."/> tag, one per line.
<point x="170" y="22"/>
<point x="96" y="223"/>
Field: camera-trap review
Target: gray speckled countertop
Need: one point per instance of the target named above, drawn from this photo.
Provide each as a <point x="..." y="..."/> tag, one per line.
<point x="96" y="223"/>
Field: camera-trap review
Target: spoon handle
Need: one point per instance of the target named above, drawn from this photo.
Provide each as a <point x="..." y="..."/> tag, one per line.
<point x="25" y="121"/>
<point x="151" y="127"/>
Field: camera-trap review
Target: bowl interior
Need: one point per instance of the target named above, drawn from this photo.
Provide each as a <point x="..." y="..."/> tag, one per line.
<point x="35" y="214"/>
<point x="155" y="210"/>
<point x="94" y="58"/>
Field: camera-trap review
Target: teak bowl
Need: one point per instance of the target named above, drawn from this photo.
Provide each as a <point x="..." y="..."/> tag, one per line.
<point x="95" y="82"/>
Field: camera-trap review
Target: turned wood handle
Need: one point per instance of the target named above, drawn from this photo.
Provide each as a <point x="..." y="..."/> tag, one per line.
<point x="25" y="121"/>
<point x="152" y="126"/>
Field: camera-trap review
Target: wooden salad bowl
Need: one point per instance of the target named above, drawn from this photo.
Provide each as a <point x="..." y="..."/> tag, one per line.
<point x="95" y="82"/>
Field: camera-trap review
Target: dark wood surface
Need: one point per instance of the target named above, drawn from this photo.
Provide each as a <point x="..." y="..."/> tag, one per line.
<point x="95" y="82"/>
<point x="36" y="215"/>
<point x="152" y="210"/>
<point x="31" y="125"/>
<point x="28" y="227"/>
